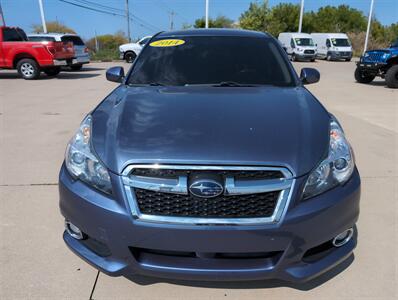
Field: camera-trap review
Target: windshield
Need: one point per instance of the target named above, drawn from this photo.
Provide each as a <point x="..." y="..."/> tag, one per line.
<point x="77" y="41"/>
<point x="341" y="42"/>
<point x="304" y="42"/>
<point x="211" y="60"/>
<point x="144" y="41"/>
<point x="14" y="35"/>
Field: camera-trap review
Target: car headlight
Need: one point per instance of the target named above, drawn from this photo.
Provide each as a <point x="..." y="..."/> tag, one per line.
<point x="336" y="169"/>
<point x="81" y="161"/>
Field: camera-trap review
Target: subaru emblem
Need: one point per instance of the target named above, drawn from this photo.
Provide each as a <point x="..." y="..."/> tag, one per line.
<point x="206" y="188"/>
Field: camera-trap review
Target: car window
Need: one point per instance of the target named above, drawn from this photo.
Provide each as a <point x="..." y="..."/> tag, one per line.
<point x="395" y="45"/>
<point x="144" y="41"/>
<point x="304" y="42"/>
<point x="77" y="41"/>
<point x="211" y="60"/>
<point x="328" y="43"/>
<point x="341" y="42"/>
<point x="14" y="35"/>
<point x="41" y="39"/>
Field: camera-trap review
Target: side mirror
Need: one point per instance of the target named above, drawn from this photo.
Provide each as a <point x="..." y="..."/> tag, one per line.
<point x="309" y="75"/>
<point x="115" y="74"/>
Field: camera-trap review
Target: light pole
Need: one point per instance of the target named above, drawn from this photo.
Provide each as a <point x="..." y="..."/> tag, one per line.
<point x="43" y="20"/>
<point x="3" y="21"/>
<point x="172" y="14"/>
<point x="368" y="29"/>
<point x="301" y="15"/>
<point x="207" y="14"/>
<point x="128" y="21"/>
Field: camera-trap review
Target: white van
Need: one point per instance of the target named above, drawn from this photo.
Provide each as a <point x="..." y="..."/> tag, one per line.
<point x="333" y="46"/>
<point x="299" y="46"/>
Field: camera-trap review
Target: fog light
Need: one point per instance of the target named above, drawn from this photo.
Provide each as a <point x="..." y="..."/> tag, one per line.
<point x="73" y="230"/>
<point x="343" y="238"/>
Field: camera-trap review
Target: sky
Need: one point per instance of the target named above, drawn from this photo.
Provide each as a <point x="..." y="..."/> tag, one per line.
<point x="151" y="16"/>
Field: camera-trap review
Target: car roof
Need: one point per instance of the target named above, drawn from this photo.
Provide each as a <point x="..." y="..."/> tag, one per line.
<point x="329" y="34"/>
<point x="52" y="34"/>
<point x="296" y="34"/>
<point x="213" y="32"/>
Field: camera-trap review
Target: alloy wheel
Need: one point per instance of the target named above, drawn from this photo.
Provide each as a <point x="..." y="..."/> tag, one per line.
<point x="27" y="70"/>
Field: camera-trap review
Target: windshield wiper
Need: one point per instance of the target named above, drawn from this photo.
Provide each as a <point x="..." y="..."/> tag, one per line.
<point x="231" y="84"/>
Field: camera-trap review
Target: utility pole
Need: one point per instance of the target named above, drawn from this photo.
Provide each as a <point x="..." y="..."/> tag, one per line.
<point x="207" y="14"/>
<point x="96" y="41"/>
<point x="43" y="20"/>
<point x="368" y="29"/>
<point x="301" y="16"/>
<point x="172" y="14"/>
<point x="3" y="21"/>
<point x="128" y="21"/>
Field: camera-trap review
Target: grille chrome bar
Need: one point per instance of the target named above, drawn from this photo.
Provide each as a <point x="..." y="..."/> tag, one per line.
<point x="232" y="186"/>
<point x="239" y="187"/>
<point x="165" y="185"/>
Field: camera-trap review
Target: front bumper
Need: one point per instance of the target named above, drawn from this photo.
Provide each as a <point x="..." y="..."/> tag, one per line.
<point x="306" y="225"/>
<point x="340" y="54"/>
<point x="303" y="56"/>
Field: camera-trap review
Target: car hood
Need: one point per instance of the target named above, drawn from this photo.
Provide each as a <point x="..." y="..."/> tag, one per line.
<point x="268" y="126"/>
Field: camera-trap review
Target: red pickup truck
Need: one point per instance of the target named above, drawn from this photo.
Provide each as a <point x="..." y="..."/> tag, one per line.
<point x="30" y="58"/>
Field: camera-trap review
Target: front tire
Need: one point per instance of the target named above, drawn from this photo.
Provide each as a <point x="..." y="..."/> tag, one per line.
<point x="348" y="59"/>
<point x="361" y="77"/>
<point x="130" y="57"/>
<point x="328" y="57"/>
<point x="52" y="71"/>
<point x="28" y="69"/>
<point x="392" y="77"/>
<point x="293" y="57"/>
<point x="76" y="67"/>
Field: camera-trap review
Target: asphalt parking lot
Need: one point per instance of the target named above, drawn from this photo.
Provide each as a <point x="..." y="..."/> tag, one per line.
<point x="37" y="118"/>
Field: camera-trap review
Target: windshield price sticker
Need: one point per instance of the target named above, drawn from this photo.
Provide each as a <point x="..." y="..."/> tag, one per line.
<point x="167" y="43"/>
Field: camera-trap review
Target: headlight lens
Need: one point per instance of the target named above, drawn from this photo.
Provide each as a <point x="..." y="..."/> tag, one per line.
<point x="82" y="163"/>
<point x="336" y="169"/>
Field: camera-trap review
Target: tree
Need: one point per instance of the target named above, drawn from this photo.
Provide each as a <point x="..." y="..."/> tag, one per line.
<point x="256" y="17"/>
<point x="108" y="41"/>
<point x="219" y="22"/>
<point x="108" y="46"/>
<point x="284" y="17"/>
<point x="392" y="33"/>
<point x="339" y="19"/>
<point x="53" y="26"/>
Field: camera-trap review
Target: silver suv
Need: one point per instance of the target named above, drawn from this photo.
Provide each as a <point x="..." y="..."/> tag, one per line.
<point x="81" y="51"/>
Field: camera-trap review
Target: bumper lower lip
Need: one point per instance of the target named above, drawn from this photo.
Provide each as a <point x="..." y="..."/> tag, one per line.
<point x="305" y="56"/>
<point x="305" y="226"/>
<point x="340" y="54"/>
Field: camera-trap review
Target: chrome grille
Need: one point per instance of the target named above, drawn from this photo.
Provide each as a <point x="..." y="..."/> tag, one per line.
<point x="252" y="195"/>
